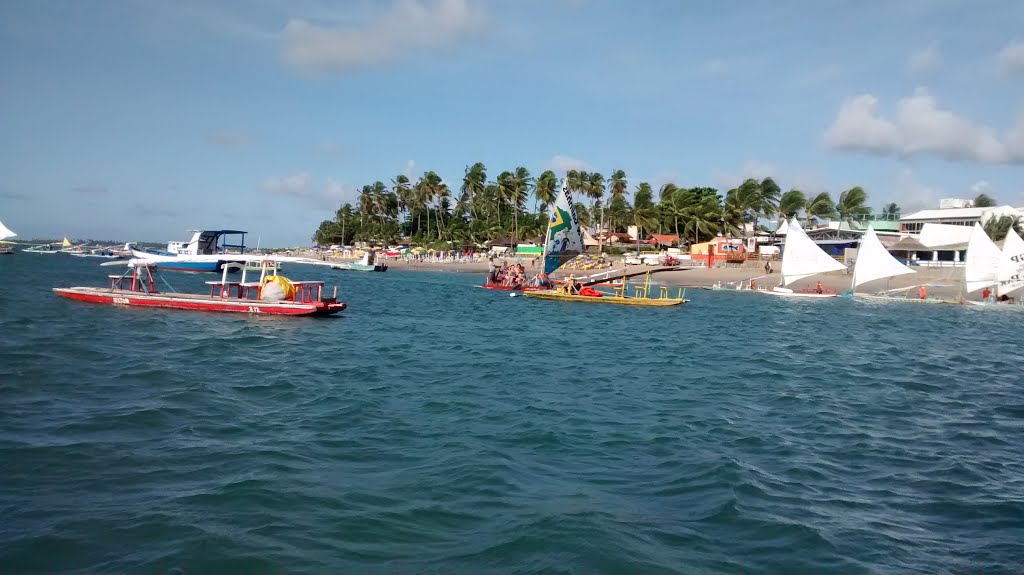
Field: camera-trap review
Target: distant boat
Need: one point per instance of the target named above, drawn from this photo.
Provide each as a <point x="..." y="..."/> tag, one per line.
<point x="207" y="251"/>
<point x="5" y="233"/>
<point x="801" y="259"/>
<point x="366" y="264"/>
<point x="989" y="267"/>
<point x="42" y="249"/>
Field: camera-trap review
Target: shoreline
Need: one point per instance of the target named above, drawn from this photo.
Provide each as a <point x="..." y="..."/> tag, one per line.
<point x="948" y="282"/>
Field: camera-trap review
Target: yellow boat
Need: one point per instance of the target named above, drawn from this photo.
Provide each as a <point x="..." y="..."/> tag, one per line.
<point x="618" y="298"/>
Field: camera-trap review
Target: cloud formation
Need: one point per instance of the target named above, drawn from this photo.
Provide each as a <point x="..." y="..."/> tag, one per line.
<point x="561" y="164"/>
<point x="921" y="127"/>
<point x="1010" y="59"/>
<point x="230" y="139"/>
<point x="295" y="185"/>
<point x="337" y="193"/>
<point x="407" y="26"/>
<point x="924" y="60"/>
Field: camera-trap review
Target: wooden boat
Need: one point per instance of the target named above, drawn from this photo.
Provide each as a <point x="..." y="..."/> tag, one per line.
<point x="271" y="295"/>
<point x="620" y="297"/>
<point x="500" y="287"/>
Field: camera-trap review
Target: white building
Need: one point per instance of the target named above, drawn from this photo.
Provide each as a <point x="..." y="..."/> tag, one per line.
<point x="913" y="223"/>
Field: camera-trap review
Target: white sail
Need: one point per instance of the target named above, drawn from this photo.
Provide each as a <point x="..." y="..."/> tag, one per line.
<point x="982" y="267"/>
<point x="1011" y="264"/>
<point x="874" y="262"/>
<point x="801" y="257"/>
<point x="564" y="240"/>
<point x="5" y="232"/>
<point x="781" y="229"/>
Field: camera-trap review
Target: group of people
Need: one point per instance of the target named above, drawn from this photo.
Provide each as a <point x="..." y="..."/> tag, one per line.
<point x="986" y="294"/>
<point x="514" y="276"/>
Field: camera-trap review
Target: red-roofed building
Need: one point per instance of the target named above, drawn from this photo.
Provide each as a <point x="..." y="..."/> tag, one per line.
<point x="662" y="240"/>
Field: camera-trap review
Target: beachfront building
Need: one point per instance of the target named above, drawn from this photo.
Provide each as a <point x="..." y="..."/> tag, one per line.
<point x="958" y="213"/>
<point x="663" y="240"/>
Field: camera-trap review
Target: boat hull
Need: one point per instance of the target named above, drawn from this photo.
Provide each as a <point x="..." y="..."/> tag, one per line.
<point x="798" y="294"/>
<point x="872" y="297"/>
<point x="194" y="302"/>
<point x="607" y="299"/>
<point x="499" y="287"/>
<point x="360" y="267"/>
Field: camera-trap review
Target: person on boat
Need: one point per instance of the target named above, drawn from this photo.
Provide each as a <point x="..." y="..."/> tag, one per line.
<point x="753" y="284"/>
<point x="543" y="280"/>
<point x="1005" y="299"/>
<point x="817" y="288"/>
<point x="572" y="286"/>
<point x="492" y="271"/>
<point x="922" y="292"/>
<point x="986" y="293"/>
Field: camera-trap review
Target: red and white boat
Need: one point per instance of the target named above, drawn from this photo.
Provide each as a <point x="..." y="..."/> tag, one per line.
<point x="271" y="295"/>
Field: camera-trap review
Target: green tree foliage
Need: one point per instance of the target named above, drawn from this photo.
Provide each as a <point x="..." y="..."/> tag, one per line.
<point x="984" y="201"/>
<point x="998" y="227"/>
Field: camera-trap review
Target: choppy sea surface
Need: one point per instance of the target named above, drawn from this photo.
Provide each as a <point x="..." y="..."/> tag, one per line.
<point x="437" y="427"/>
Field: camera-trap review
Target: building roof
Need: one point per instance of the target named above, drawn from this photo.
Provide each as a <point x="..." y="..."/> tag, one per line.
<point x="664" y="238"/>
<point x="949" y="213"/>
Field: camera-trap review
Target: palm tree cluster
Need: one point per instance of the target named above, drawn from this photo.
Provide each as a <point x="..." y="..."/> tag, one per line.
<point x="430" y="212"/>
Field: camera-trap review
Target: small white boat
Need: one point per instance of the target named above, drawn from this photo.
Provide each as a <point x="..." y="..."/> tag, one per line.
<point x="802" y="258"/>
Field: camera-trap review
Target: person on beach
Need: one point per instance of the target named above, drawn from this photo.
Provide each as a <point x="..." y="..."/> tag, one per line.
<point x="817" y="288"/>
<point x="768" y="266"/>
<point x="922" y="292"/>
<point x="986" y="293"/>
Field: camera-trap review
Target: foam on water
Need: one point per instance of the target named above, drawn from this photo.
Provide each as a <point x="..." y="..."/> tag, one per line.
<point x="438" y="427"/>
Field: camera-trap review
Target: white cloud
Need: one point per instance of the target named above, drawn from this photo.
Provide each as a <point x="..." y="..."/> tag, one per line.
<point x="561" y="164"/>
<point x="803" y="180"/>
<point x="912" y="195"/>
<point x="924" y="60"/>
<point x="921" y="127"/>
<point x="336" y="192"/>
<point x="409" y="169"/>
<point x="295" y="185"/>
<point x="980" y="187"/>
<point x="407" y="26"/>
<point x="1010" y="59"/>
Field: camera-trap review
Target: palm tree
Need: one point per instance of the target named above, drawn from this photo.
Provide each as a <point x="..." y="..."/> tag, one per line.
<point x="366" y="203"/>
<point x="852" y="205"/>
<point x="998" y="227"/>
<point x="820" y="207"/>
<point x="617" y="184"/>
<point x="891" y="210"/>
<point x="473" y="183"/>
<point x="791" y="203"/>
<point x="644" y="214"/>
<point x="770" y="195"/>
<point x="522" y="183"/>
<point x="400" y="186"/>
<point x="703" y="218"/>
<point x="583" y="214"/>
<point x="544" y="189"/>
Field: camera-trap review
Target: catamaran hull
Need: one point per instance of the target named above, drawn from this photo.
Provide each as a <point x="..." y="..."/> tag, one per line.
<point x="193" y="302"/>
<point x="872" y="297"/>
<point x="608" y="299"/>
<point x="798" y="294"/>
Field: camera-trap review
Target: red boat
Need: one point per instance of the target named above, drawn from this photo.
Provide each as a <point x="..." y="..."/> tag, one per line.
<point x="296" y="298"/>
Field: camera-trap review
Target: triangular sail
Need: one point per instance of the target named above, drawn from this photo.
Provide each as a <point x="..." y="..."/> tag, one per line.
<point x="564" y="240"/>
<point x="982" y="267"/>
<point x="781" y="230"/>
<point x="5" y="232"/>
<point x="66" y="243"/>
<point x="874" y="262"/>
<point x="1011" y="264"/>
<point x="802" y="258"/>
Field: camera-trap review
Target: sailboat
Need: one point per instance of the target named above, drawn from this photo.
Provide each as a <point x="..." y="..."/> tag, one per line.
<point x="5" y="233"/>
<point x="981" y="269"/>
<point x="1011" y="266"/>
<point x="802" y="258"/>
<point x="563" y="242"/>
<point x="874" y="262"/>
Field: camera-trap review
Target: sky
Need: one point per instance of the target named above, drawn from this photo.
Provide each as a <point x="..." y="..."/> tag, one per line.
<point x="141" y="120"/>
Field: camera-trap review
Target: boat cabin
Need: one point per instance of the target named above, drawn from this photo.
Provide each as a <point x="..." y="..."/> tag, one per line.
<point x="210" y="242"/>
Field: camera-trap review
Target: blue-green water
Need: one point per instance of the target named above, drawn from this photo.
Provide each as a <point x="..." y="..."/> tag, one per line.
<point x="437" y="427"/>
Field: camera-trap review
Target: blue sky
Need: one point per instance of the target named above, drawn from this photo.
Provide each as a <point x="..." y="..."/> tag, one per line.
<point x="139" y="120"/>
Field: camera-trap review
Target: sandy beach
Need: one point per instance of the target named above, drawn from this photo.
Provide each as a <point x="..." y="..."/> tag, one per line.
<point x="946" y="282"/>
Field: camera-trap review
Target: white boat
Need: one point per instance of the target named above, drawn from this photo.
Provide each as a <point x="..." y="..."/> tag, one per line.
<point x="366" y="264"/>
<point x="207" y="251"/>
<point x="42" y="249"/>
<point x="801" y="259"/>
<point x="1007" y="274"/>
<point x="874" y="262"/>
<point x="5" y="233"/>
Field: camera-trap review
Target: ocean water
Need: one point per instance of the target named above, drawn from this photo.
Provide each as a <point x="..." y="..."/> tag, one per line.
<point x="435" y="427"/>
